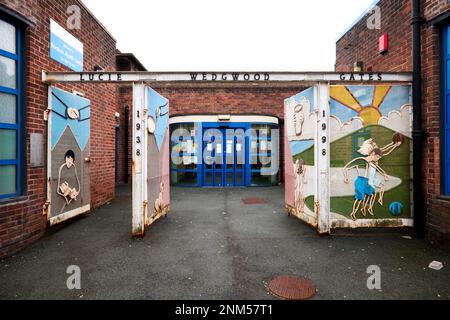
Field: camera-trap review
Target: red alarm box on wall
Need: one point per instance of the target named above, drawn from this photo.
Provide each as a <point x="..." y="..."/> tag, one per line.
<point x="384" y="43"/>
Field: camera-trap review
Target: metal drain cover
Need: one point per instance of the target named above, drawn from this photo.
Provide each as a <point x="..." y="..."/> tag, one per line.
<point x="292" y="288"/>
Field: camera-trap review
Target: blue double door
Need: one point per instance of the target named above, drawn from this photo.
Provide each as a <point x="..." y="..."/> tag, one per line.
<point x="225" y="157"/>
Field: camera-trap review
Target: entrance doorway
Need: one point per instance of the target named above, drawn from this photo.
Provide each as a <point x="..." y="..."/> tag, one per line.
<point x="224" y="166"/>
<point x="242" y="151"/>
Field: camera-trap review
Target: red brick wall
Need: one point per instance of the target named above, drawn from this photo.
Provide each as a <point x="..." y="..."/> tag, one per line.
<point x="362" y="43"/>
<point x="260" y="100"/>
<point x="23" y="223"/>
<point x="221" y="100"/>
<point x="438" y="210"/>
<point x="364" y="48"/>
<point x="224" y="99"/>
<point x="433" y="8"/>
<point x="125" y="99"/>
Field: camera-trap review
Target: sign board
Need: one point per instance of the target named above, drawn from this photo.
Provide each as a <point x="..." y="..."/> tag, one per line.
<point x="165" y="77"/>
<point x="65" y="48"/>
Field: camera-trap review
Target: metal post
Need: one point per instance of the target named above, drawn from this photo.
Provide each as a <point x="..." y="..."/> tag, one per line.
<point x="138" y="160"/>
<point x="323" y="165"/>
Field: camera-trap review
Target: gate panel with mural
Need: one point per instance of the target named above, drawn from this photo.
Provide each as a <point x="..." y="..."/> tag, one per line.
<point x="158" y="165"/>
<point x="348" y="156"/>
<point x="151" y="158"/>
<point x="371" y="156"/>
<point x="300" y="160"/>
<point x="69" y="153"/>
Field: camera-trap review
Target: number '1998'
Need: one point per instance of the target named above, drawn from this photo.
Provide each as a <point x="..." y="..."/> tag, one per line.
<point x="247" y="310"/>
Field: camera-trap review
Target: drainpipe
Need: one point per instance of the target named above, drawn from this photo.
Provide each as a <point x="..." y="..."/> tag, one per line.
<point x="127" y="145"/>
<point x="418" y="133"/>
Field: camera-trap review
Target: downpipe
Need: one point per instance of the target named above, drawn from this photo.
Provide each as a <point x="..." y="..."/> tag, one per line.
<point x="418" y="133"/>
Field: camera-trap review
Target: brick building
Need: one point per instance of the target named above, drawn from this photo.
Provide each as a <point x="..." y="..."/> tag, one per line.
<point x="21" y="218"/>
<point x="31" y="43"/>
<point x="27" y="48"/>
<point x="365" y="47"/>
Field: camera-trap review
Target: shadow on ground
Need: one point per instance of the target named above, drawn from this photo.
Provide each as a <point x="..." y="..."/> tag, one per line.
<point x="212" y="246"/>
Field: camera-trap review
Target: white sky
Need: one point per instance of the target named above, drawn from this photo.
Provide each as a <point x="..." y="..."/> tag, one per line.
<point x="229" y="35"/>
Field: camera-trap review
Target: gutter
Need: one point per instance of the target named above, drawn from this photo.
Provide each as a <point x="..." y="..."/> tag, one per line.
<point x="418" y="133"/>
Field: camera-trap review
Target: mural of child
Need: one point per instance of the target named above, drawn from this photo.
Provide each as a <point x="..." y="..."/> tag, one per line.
<point x="368" y="186"/>
<point x="300" y="181"/>
<point x="69" y="193"/>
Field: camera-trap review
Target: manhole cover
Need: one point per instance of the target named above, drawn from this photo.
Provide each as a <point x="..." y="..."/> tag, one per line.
<point x="250" y="201"/>
<point x="292" y="288"/>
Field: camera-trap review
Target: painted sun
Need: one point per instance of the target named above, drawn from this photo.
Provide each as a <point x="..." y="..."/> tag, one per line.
<point x="369" y="114"/>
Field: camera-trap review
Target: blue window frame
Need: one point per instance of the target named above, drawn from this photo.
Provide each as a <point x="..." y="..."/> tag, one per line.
<point x="231" y="172"/>
<point x="185" y="174"/>
<point x="262" y="146"/>
<point x="10" y="109"/>
<point x="446" y="111"/>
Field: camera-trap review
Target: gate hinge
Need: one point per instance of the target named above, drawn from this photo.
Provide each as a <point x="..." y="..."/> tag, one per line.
<point x="317" y="207"/>
<point x="46" y="113"/>
<point x="45" y="208"/>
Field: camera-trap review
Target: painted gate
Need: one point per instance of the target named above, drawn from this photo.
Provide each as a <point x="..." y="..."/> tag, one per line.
<point x="151" y="158"/>
<point x="68" y="190"/>
<point x="349" y="156"/>
<point x="301" y="173"/>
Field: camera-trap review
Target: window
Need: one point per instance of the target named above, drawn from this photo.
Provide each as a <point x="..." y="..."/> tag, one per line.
<point x="10" y="110"/>
<point x="264" y="155"/>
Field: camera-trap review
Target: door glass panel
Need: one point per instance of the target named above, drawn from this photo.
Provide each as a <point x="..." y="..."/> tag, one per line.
<point x="230" y="179"/>
<point x="258" y="179"/>
<point x="8" y="180"/>
<point x="184" y="178"/>
<point x="209" y="163"/>
<point x="448" y="40"/>
<point x="209" y="178"/>
<point x="7" y="73"/>
<point x="218" y="181"/>
<point x="8" y="108"/>
<point x="8" y="36"/>
<point x="448" y="74"/>
<point x="219" y="160"/>
<point x="8" y="144"/>
<point x="239" y="179"/>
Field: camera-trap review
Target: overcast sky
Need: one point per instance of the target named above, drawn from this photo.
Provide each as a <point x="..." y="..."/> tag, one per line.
<point x="229" y="35"/>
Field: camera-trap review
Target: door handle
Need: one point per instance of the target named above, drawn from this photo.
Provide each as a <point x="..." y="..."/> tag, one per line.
<point x="87" y="159"/>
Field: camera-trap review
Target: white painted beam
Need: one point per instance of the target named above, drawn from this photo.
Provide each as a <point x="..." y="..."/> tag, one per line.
<point x="224" y="77"/>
